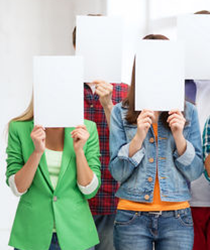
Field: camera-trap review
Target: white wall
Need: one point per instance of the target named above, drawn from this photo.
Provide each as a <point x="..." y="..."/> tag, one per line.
<point x="135" y="14"/>
<point x="163" y="14"/>
<point x="28" y="28"/>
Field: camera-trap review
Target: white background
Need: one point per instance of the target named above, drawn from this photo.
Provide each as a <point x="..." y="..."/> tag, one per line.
<point x="43" y="27"/>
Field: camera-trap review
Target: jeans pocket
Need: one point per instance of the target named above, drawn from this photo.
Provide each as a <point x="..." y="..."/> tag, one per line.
<point x="125" y="217"/>
<point x="186" y="219"/>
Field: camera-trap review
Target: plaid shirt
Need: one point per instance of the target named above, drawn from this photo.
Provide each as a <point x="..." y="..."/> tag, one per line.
<point x="104" y="202"/>
<point x="206" y="139"/>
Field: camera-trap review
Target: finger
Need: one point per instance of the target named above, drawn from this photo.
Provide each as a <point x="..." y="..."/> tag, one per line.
<point x="82" y="130"/>
<point x="36" y="127"/>
<point x="106" y="86"/>
<point x="100" y="82"/>
<point x="38" y="132"/>
<point x="176" y="121"/>
<point x="146" y="120"/>
<point x="175" y="111"/>
<point x="147" y="125"/>
<point x="77" y="136"/>
<point x="40" y="138"/>
<point x="82" y="126"/>
<point x="147" y="114"/>
<point x="175" y="115"/>
<point x="102" y="91"/>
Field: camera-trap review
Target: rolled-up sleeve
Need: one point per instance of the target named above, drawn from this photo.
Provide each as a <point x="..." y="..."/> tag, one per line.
<point x="14" y="152"/>
<point x="123" y="154"/>
<point x="190" y="163"/>
<point x="121" y="165"/>
<point x="92" y="155"/>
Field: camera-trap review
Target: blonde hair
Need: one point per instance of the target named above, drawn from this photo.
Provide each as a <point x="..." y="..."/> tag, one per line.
<point x="27" y="115"/>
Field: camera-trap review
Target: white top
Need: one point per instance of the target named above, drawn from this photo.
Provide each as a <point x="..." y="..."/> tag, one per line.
<point x="54" y="159"/>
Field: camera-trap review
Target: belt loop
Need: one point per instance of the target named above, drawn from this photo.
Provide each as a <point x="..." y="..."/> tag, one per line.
<point x="176" y="213"/>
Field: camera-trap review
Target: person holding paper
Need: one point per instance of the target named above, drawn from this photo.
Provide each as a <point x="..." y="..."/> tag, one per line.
<point x="54" y="171"/>
<point x="198" y="91"/>
<point x="153" y="155"/>
<point x="99" y="99"/>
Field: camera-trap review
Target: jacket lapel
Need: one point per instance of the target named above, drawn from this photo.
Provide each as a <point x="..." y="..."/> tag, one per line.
<point x="45" y="171"/>
<point x="42" y="164"/>
<point x="68" y="153"/>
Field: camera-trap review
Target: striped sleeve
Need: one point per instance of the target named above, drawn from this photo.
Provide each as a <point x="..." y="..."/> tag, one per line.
<point x="206" y="139"/>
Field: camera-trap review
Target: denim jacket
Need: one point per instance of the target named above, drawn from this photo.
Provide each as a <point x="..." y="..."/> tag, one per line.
<point x="137" y="174"/>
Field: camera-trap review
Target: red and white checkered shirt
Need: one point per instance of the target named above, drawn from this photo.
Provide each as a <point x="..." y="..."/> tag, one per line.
<point x="105" y="201"/>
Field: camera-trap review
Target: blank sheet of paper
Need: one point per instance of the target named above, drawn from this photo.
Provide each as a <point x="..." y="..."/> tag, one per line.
<point x="159" y="76"/>
<point x="58" y="91"/>
<point x="99" y="40"/>
<point x="194" y="30"/>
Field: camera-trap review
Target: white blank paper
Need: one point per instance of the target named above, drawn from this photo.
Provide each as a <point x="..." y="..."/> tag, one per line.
<point x="58" y="91"/>
<point x="99" y="40"/>
<point x="159" y="76"/>
<point x="194" y="30"/>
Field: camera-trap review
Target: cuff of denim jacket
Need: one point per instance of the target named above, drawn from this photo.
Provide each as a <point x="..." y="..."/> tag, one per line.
<point x="187" y="157"/>
<point x="135" y="159"/>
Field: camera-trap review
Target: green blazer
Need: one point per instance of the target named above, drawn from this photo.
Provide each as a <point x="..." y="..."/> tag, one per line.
<point x="42" y="206"/>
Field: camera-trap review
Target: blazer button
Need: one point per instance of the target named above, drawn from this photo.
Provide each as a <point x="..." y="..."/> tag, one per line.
<point x="150" y="179"/>
<point x="151" y="160"/>
<point x="91" y="105"/>
<point x="146" y="197"/>
<point x="55" y="198"/>
<point x="151" y="140"/>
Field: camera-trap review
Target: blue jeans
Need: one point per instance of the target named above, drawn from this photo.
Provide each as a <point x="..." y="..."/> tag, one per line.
<point x="105" y="226"/>
<point x="54" y="243"/>
<point x="171" y="230"/>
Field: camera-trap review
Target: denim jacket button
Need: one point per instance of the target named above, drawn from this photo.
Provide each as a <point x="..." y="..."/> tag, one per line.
<point x="151" y="160"/>
<point x="150" y="179"/>
<point x="146" y="197"/>
<point x="151" y="140"/>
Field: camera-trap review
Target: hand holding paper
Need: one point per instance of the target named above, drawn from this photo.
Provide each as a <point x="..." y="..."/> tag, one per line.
<point x="104" y="90"/>
<point x="38" y="137"/>
<point x="144" y="122"/>
<point x="176" y="122"/>
<point x="80" y="136"/>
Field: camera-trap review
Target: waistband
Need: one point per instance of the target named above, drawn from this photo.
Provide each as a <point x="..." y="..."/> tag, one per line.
<point x="172" y="213"/>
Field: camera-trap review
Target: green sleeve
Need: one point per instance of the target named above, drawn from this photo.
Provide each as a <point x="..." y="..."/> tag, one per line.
<point x="92" y="155"/>
<point x="14" y="152"/>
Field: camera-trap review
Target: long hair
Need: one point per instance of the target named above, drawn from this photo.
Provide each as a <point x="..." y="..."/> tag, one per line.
<point x="27" y="115"/>
<point x="129" y="101"/>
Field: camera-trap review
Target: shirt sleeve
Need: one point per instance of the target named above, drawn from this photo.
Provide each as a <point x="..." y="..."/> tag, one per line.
<point x="91" y="187"/>
<point x="14" y="187"/>
<point x="206" y="139"/>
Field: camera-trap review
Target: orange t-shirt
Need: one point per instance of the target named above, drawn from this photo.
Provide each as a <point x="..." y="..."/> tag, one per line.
<point x="157" y="204"/>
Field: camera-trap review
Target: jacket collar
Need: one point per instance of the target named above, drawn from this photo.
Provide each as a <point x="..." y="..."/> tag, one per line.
<point x="68" y="152"/>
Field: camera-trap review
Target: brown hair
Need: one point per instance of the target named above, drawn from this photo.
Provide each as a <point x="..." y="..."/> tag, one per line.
<point x="129" y="101"/>
<point x="203" y="12"/>
<point x="74" y="32"/>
